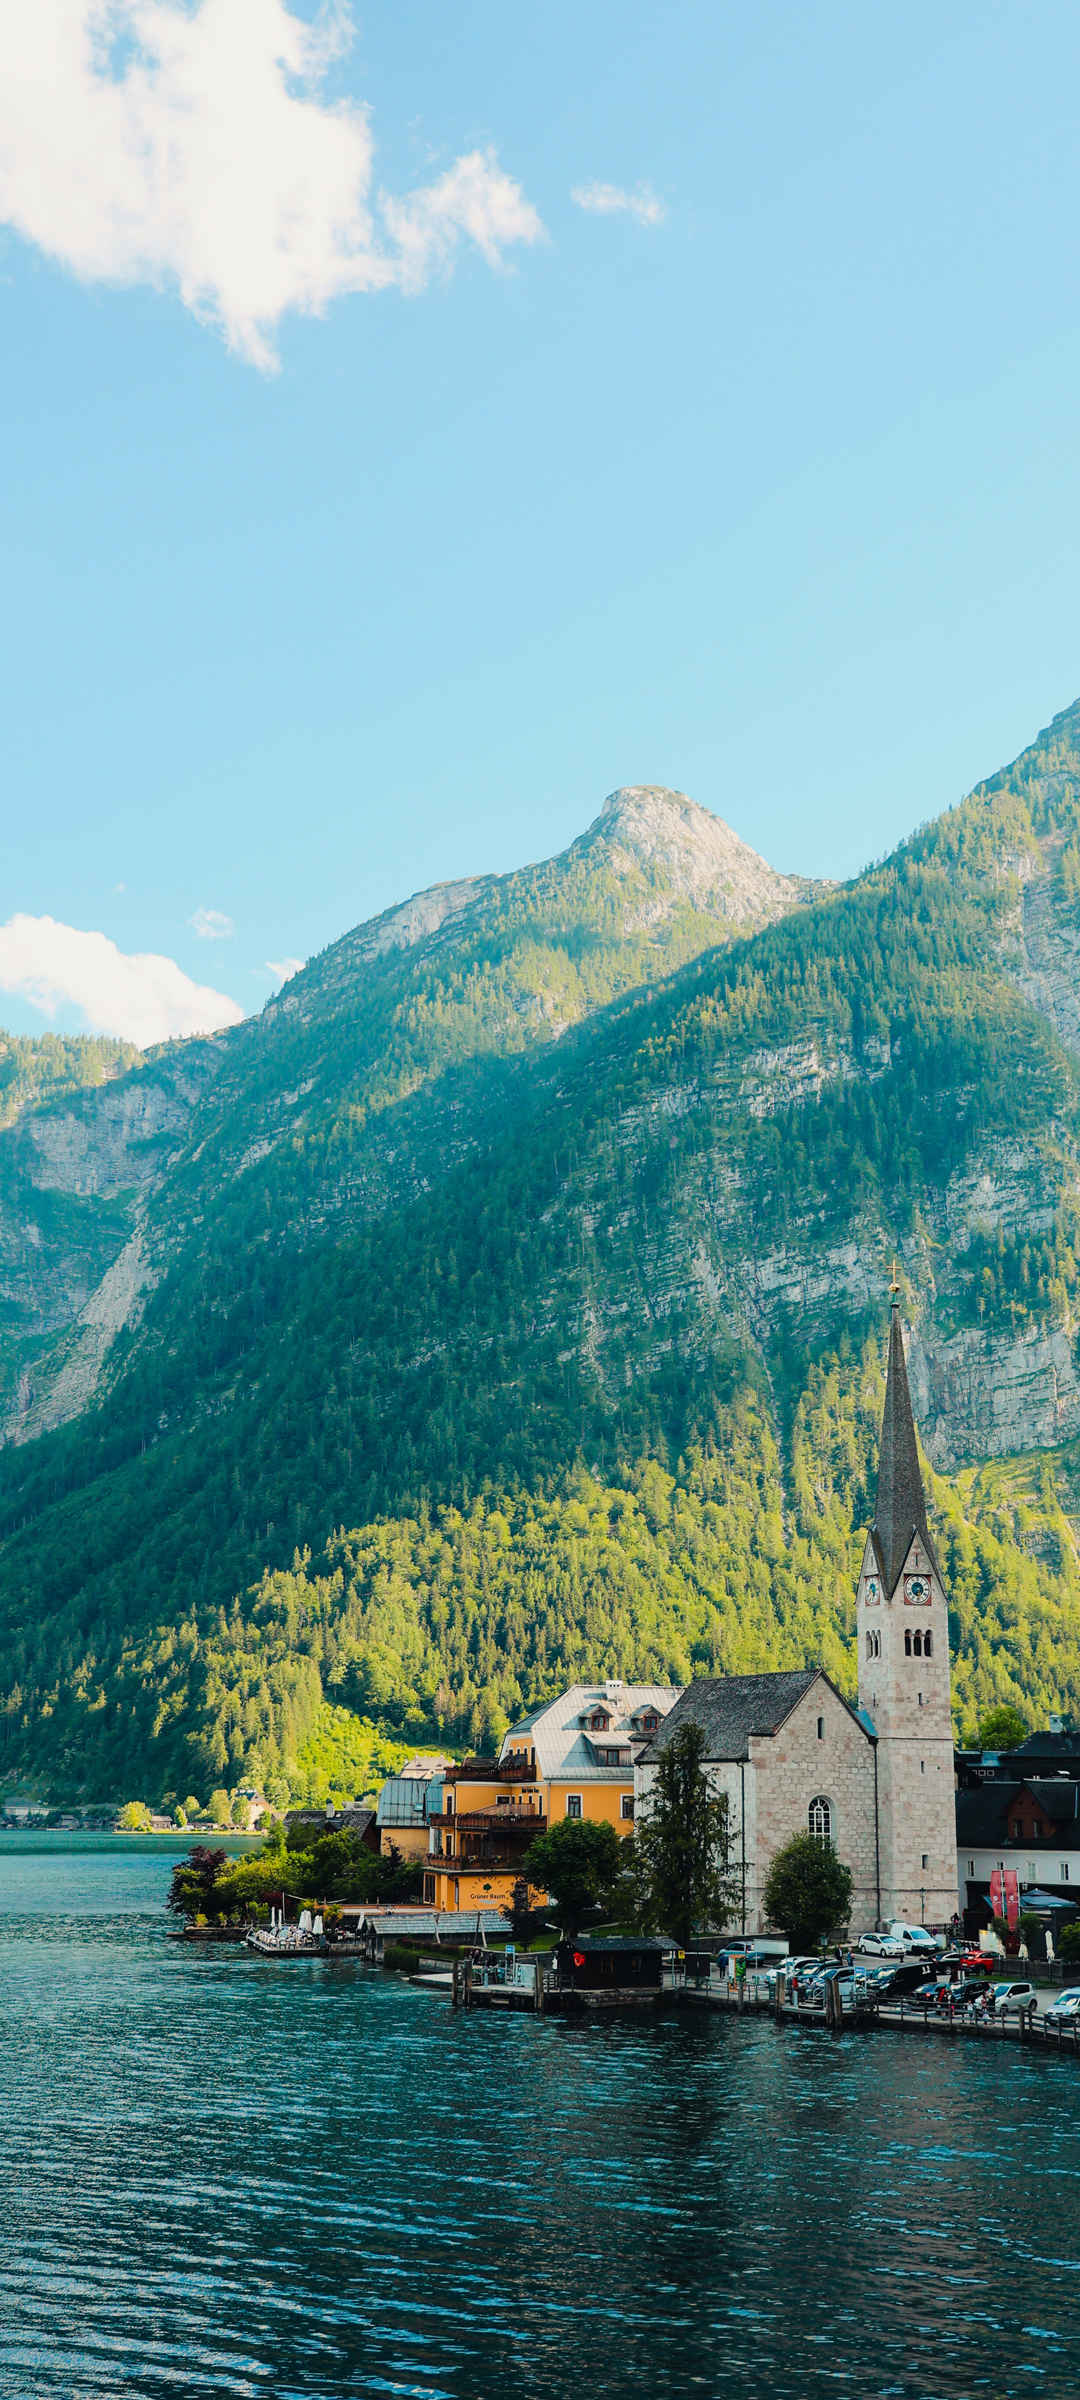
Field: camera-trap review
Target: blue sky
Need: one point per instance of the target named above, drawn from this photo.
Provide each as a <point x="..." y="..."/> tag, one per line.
<point x="766" y="491"/>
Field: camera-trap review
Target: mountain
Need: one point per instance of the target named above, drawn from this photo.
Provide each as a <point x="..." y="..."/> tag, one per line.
<point x="505" y="1301"/>
<point x="98" y="1194"/>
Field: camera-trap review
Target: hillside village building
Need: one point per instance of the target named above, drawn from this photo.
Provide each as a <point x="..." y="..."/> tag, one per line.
<point x="573" y="1757"/>
<point x="1032" y="1827"/>
<point x="876" y="1781"/>
<point x="407" y="1803"/>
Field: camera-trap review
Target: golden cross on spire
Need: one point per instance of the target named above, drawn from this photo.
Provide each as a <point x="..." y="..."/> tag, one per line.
<point x="894" y="1287"/>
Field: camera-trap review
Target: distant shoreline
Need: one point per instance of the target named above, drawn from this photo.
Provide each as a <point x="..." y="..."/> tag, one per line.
<point x="126" y="1833"/>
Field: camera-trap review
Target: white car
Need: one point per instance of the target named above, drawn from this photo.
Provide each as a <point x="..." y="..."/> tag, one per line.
<point x="1066" y="2005"/>
<point x="1013" y="1998"/>
<point x="881" y="1945"/>
<point x="914" y="1937"/>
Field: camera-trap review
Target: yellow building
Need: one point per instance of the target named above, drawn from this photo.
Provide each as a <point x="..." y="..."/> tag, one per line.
<point x="574" y="1757"/>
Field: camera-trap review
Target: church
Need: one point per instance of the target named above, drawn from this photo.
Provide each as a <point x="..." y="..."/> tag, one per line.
<point x="877" y="1779"/>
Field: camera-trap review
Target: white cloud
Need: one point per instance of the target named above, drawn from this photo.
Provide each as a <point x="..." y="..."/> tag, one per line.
<point x="282" y="968"/>
<point x="211" y="925"/>
<point x="610" y="200"/>
<point x="144" y="998"/>
<point x="190" y="143"/>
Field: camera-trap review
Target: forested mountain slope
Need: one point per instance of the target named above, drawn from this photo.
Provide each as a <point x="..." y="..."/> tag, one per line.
<point x="541" y="1237"/>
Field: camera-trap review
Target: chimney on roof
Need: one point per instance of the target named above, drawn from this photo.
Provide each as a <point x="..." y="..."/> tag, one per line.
<point x="900" y="1509"/>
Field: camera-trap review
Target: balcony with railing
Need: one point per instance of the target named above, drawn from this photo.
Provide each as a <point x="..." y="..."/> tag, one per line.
<point x="485" y="1837"/>
<point x="519" y="1767"/>
<point x="480" y="1819"/>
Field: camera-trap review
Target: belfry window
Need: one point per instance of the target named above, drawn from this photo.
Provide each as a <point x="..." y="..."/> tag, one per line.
<point x="820" y="1819"/>
<point x="907" y="1645"/>
<point x="873" y="1645"/>
<point x="926" y="1643"/>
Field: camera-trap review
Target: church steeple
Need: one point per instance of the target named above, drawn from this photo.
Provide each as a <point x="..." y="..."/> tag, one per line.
<point x="902" y="1620"/>
<point x="900" y="1509"/>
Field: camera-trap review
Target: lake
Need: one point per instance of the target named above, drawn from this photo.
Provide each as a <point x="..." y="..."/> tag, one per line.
<point x="220" y="2176"/>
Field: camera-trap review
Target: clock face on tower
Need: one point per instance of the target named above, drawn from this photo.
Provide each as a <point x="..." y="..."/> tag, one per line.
<point x="873" y="1589"/>
<point x="917" y="1589"/>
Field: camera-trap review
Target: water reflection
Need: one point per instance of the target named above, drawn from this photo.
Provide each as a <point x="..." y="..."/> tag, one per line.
<point x="220" y="2177"/>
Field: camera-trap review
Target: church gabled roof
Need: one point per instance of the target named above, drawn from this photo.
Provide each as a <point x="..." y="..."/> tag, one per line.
<point x="732" y="1709"/>
<point x="900" y="1510"/>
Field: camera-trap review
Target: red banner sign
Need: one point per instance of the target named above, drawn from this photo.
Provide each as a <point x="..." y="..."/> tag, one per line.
<point x="1011" y="1882"/>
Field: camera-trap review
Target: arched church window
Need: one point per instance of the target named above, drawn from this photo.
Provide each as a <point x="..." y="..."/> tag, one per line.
<point x="926" y="1645"/>
<point x="819" y="1818"/>
<point x="917" y="1645"/>
<point x="907" y="1645"/>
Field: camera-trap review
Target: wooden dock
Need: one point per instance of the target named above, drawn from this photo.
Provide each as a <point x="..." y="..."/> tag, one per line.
<point x="534" y="1989"/>
<point x="1025" y="2026"/>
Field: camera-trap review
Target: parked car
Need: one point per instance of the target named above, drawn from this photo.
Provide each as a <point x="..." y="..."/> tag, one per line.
<point x="1012" y="1999"/>
<point x="877" y="1979"/>
<point x="915" y="1937"/>
<point x="787" y="1969"/>
<point x="905" y="1979"/>
<point x="968" y="1988"/>
<point x="930" y="1995"/>
<point x="881" y="1945"/>
<point x="843" y="1981"/>
<point x="1066" y="2005"/>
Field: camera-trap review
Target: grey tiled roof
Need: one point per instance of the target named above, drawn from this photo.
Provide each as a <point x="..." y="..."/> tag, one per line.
<point x="1063" y="1746"/>
<point x="1061" y="1800"/>
<point x="984" y="1815"/>
<point x="563" y="1747"/>
<point x="900" y="1510"/>
<point x="599" y="1944"/>
<point x="729" y="1708"/>
<point x="435" y="1922"/>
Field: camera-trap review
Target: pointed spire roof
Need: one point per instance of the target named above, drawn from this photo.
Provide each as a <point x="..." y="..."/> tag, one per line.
<point x="900" y="1511"/>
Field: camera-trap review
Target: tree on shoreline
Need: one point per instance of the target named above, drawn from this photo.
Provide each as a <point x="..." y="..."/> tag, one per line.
<point x="191" y="1890"/>
<point x="335" y="1866"/>
<point x="808" y="1892"/>
<point x="682" y="1845"/>
<point x="577" y="1865"/>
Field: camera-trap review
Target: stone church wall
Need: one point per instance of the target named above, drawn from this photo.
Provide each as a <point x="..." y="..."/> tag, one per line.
<point x="791" y="1768"/>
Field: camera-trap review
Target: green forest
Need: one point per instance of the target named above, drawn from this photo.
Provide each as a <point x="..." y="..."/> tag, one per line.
<point x="441" y="1627"/>
<point x="46" y="1066"/>
<point x="476" y="1382"/>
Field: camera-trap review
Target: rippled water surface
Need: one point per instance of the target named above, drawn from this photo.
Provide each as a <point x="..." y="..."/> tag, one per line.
<point x="220" y="2176"/>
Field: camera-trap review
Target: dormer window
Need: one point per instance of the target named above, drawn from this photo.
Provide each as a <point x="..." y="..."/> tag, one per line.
<point x="599" y="1721"/>
<point x="648" y="1720"/>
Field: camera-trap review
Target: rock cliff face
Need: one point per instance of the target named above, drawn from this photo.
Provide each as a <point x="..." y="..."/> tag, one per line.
<point x="694" y="855"/>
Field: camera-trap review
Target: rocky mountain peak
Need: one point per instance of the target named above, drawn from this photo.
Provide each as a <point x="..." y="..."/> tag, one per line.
<point x="666" y="832"/>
